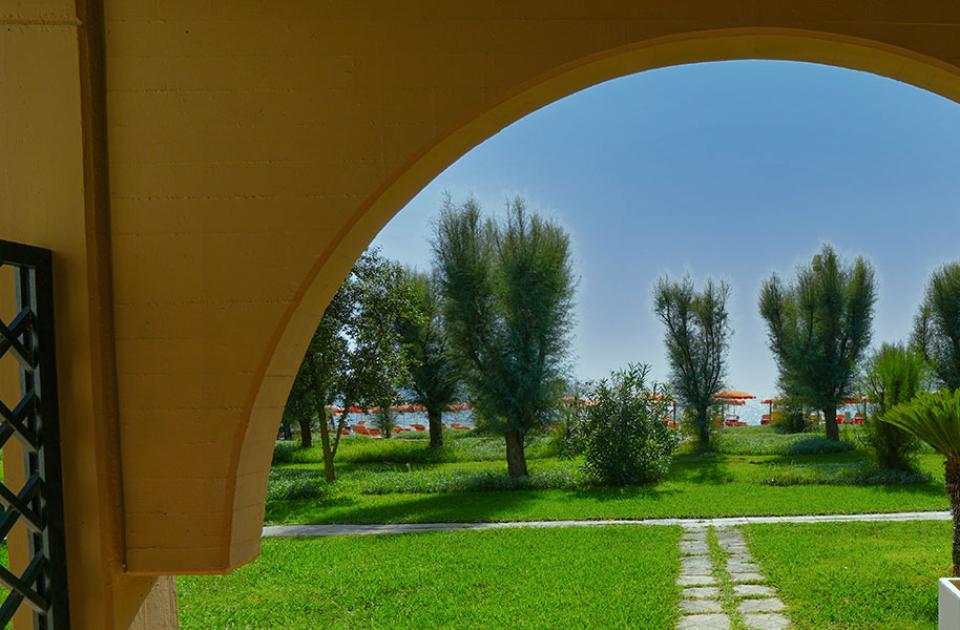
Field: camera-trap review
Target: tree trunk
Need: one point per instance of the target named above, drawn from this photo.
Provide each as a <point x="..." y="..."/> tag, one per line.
<point x="434" y="419"/>
<point x="703" y="427"/>
<point x="830" y="422"/>
<point x="306" y="437"/>
<point x="952" y="476"/>
<point x="516" y="460"/>
<point x="328" y="471"/>
<point x="341" y="423"/>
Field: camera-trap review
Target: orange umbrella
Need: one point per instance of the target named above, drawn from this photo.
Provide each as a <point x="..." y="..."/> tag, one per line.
<point x="732" y="397"/>
<point x="733" y="394"/>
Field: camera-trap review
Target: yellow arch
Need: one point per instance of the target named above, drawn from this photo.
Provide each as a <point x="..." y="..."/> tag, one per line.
<point x="293" y="332"/>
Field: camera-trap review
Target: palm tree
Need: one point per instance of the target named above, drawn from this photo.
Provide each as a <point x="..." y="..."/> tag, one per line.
<point x="935" y="419"/>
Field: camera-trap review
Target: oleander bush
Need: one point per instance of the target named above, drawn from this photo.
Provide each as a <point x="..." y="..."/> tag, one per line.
<point x="625" y="439"/>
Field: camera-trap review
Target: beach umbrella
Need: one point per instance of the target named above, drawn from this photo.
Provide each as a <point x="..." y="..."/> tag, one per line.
<point x="732" y="397"/>
<point x="733" y="394"/>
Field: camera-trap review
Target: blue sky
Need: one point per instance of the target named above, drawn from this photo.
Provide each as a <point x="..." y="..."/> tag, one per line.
<point x="731" y="170"/>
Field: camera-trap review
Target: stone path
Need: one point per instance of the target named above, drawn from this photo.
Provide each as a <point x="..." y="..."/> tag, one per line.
<point x="700" y="607"/>
<point x="405" y="528"/>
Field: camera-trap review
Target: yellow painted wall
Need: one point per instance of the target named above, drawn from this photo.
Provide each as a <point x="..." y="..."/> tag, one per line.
<point x="46" y="199"/>
<point x="255" y="149"/>
<point x="252" y="151"/>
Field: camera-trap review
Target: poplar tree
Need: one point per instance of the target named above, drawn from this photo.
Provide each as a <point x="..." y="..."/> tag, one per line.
<point x="819" y="327"/>
<point x="697" y="337"/>
<point x="508" y="289"/>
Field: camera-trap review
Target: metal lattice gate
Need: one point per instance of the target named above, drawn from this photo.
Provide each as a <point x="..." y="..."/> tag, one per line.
<point x="33" y="422"/>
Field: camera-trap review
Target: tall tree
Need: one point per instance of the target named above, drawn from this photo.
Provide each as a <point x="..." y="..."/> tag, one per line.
<point x="435" y="375"/>
<point x="697" y="337"/>
<point x="377" y="365"/>
<point x="819" y="329"/>
<point x="937" y="326"/>
<point x="508" y="292"/>
<point x="356" y="355"/>
<point x="316" y="384"/>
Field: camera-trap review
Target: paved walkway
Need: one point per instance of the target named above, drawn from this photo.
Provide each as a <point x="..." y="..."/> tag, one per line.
<point x="740" y="581"/>
<point x="407" y="528"/>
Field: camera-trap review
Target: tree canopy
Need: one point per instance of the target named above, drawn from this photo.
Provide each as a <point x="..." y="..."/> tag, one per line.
<point x="434" y="372"/>
<point x="819" y="327"/>
<point x="697" y="335"/>
<point x="356" y="355"/>
<point x="508" y="289"/>
<point x="937" y="325"/>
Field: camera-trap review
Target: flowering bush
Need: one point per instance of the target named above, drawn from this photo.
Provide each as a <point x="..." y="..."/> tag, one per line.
<point x="623" y="431"/>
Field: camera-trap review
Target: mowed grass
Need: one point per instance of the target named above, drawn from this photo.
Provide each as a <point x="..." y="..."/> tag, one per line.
<point x="698" y="486"/>
<point x="855" y="575"/>
<point x="459" y="446"/>
<point x="609" y="577"/>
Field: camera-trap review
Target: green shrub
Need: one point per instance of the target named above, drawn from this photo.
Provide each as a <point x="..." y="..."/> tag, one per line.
<point x="284" y="452"/>
<point x="790" y="416"/>
<point x="847" y="474"/>
<point x="893" y="375"/>
<point x="464" y="480"/>
<point x="406" y="448"/>
<point x="816" y="445"/>
<point x="624" y="433"/>
<point x="289" y="484"/>
<point x="766" y="441"/>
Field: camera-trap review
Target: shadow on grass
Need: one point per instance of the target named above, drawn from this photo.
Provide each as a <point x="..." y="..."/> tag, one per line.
<point x="601" y="494"/>
<point x="706" y="468"/>
<point x="441" y="508"/>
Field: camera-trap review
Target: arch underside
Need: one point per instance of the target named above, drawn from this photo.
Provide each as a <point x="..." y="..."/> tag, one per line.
<point x="411" y="96"/>
<point x="687" y="48"/>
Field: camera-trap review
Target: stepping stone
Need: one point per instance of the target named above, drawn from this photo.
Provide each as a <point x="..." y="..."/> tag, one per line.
<point x="696" y="580"/>
<point x="701" y="592"/>
<point x="700" y="606"/>
<point x="766" y="621"/>
<point x="696" y="564"/>
<point x="689" y="548"/>
<point x="729" y="534"/>
<point x="737" y="566"/>
<point x="753" y="590"/>
<point x="704" y="622"/>
<point x="772" y="604"/>
<point x="746" y="577"/>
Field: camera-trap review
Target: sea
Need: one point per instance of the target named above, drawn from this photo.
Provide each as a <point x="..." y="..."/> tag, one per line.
<point x="751" y="412"/>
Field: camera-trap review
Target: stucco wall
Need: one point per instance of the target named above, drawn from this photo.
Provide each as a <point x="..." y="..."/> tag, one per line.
<point x="255" y="151"/>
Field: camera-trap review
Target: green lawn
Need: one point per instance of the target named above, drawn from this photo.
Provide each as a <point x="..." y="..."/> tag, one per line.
<point x="610" y="577"/>
<point x="855" y="575"/>
<point x="830" y="575"/>
<point x="722" y="484"/>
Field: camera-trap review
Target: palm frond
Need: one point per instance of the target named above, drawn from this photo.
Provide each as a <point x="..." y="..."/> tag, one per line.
<point x="932" y="417"/>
